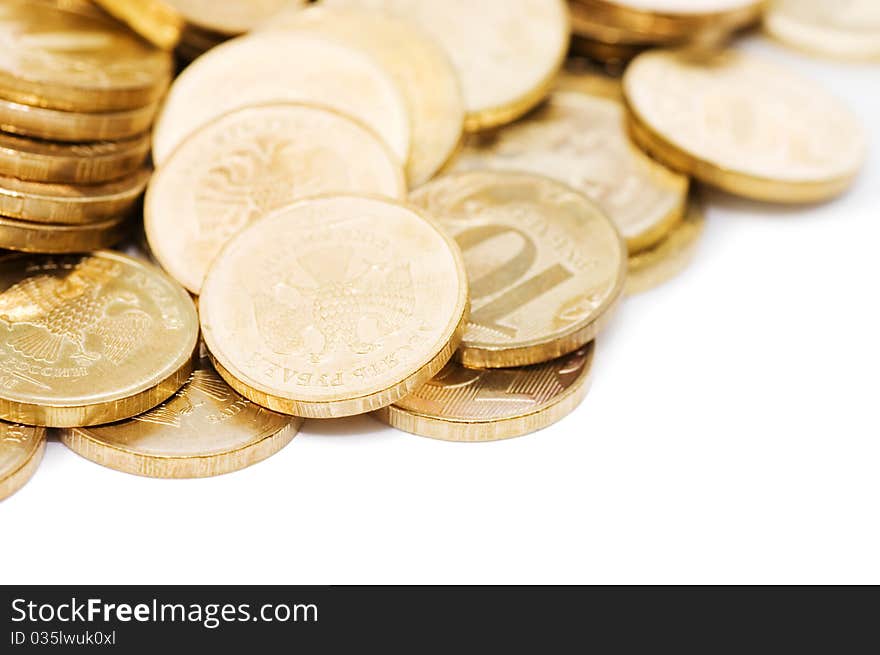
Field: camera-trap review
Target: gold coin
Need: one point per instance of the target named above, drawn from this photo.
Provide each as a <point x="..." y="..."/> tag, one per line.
<point x="675" y="19"/>
<point x="76" y="163"/>
<point x="334" y="306"/>
<point x="615" y="56"/>
<point x="230" y="17"/>
<point x="69" y="60"/>
<point x="278" y="67"/>
<point x="195" y="42"/>
<point x="244" y="165"/>
<point x="90" y="339"/>
<point x="848" y="29"/>
<point x="506" y="52"/>
<point x="652" y="267"/>
<point x="582" y="140"/>
<point x="545" y="264"/>
<point x="205" y="429"/>
<point x="421" y="69"/>
<point x="154" y="20"/>
<point x="43" y="202"/>
<point x="21" y="449"/>
<point x="743" y="125"/>
<point x="25" y="236"/>
<point x="466" y="405"/>
<point x="72" y="126"/>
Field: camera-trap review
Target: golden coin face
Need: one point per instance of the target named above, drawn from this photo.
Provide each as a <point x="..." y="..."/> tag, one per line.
<point x="205" y="429"/>
<point x="850" y="28"/>
<point x="26" y="236"/>
<point x="545" y="264"/>
<point x="258" y="69"/>
<point x="230" y="16"/>
<point x="652" y="267"/>
<point x="421" y="69"/>
<point x="90" y="339"/>
<point x="334" y="306"/>
<point x="21" y="449"/>
<point x="744" y="125"/>
<point x="506" y="52"/>
<point x="71" y="126"/>
<point x="248" y="163"/>
<point x="467" y="405"/>
<point x="581" y="140"/>
<point x="69" y="203"/>
<point x="67" y="60"/>
<point x="78" y="163"/>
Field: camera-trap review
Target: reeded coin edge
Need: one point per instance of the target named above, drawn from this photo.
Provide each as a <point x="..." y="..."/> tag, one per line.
<point x="676" y="24"/>
<point x="476" y="431"/>
<point x="363" y="403"/>
<point x="22" y="475"/>
<point x="126" y="460"/>
<point x="737" y="182"/>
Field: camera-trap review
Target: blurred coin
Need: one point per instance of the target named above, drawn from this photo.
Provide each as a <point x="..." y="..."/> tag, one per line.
<point x="334" y="306"/>
<point x="43" y="202"/>
<point x="194" y="42"/>
<point x="506" y="52"/>
<point x="231" y="17"/>
<point x="76" y="163"/>
<point x="21" y="449"/>
<point x="545" y="264"/>
<point x="675" y="19"/>
<point x="582" y="140"/>
<point x="26" y="236"/>
<point x="68" y="60"/>
<point x="744" y="125"/>
<point x="247" y="163"/>
<point x="652" y="267"/>
<point x="205" y="429"/>
<point x="849" y="28"/>
<point x="74" y="126"/>
<point x="614" y="55"/>
<point x="466" y="405"/>
<point x="259" y="68"/>
<point x="421" y="69"/>
<point x="90" y="339"/>
<point x="154" y="20"/>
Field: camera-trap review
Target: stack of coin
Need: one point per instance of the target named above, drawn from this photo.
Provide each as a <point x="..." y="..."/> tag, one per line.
<point x="78" y="94"/>
<point x="615" y="31"/>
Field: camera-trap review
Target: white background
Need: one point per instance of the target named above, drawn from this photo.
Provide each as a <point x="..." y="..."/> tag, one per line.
<point x="731" y="436"/>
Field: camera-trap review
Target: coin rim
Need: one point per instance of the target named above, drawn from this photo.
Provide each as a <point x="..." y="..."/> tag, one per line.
<point x="56" y="239"/>
<point x="493" y="429"/>
<point x="149" y="199"/>
<point x="740" y="183"/>
<point x="86" y="169"/>
<point x="22" y="474"/>
<point x="784" y="28"/>
<point x="365" y="402"/>
<point x="114" y="407"/>
<point x="127" y="460"/>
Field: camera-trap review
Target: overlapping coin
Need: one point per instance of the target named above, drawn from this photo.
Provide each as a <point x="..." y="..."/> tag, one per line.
<point x="545" y="265"/>
<point x="205" y="429"/>
<point x="334" y="306"/>
<point x="744" y="125"/>
<point x="506" y="52"/>
<point x="21" y="449"/>
<point x="249" y="162"/>
<point x="89" y="339"/>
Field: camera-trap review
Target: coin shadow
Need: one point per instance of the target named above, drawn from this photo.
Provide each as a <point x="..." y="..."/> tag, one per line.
<point x="717" y="199"/>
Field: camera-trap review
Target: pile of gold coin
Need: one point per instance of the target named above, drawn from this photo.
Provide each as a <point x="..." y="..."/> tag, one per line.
<point x="78" y="94"/>
<point x="418" y="209"/>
